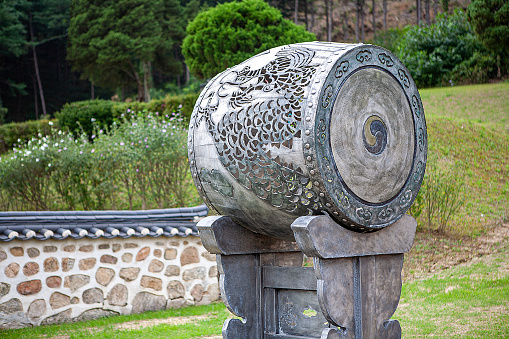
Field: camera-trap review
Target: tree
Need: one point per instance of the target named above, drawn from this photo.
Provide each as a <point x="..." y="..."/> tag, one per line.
<point x="12" y="30"/>
<point x="114" y="43"/>
<point x="12" y="40"/>
<point x="490" y="20"/>
<point x="230" y="33"/>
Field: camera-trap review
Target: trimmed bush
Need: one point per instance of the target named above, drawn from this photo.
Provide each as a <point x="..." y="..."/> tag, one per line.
<point x="18" y="132"/>
<point x="81" y="116"/>
<point x="230" y="33"/>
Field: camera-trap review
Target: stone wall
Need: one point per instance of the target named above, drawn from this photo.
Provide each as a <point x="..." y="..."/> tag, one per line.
<point x="53" y="281"/>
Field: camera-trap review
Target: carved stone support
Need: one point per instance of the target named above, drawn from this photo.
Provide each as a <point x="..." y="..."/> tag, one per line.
<point x="352" y="292"/>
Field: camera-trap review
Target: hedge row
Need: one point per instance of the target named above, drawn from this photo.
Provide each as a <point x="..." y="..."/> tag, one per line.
<point x="80" y="116"/>
<point x="17" y="132"/>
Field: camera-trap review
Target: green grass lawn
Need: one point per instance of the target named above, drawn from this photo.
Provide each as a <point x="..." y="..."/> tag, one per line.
<point x="469" y="301"/>
<point x="481" y="103"/>
<point x="468" y="129"/>
<point x="189" y="322"/>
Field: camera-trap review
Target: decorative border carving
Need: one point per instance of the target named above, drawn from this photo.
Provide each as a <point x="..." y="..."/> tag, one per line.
<point x="343" y="205"/>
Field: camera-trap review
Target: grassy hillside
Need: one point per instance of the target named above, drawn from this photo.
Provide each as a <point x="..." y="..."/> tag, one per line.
<point x="468" y="301"/>
<point x="468" y="132"/>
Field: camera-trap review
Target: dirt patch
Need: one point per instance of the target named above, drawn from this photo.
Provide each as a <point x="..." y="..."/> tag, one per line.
<point x="139" y="324"/>
<point x="433" y="253"/>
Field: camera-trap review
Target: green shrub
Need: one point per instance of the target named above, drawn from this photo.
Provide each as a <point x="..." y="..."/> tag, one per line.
<point x="431" y="52"/>
<point x="139" y="163"/>
<point x="230" y="33"/>
<point x="441" y="196"/>
<point x="81" y="116"/>
<point x="477" y="70"/>
<point x="16" y="132"/>
<point x="388" y="38"/>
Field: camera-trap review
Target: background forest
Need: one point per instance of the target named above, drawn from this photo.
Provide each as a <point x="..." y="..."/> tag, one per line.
<point x="50" y="54"/>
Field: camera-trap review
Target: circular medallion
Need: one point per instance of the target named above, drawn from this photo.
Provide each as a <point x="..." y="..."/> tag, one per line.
<point x="372" y="135"/>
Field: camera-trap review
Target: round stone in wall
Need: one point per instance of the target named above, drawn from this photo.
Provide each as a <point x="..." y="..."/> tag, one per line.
<point x="129" y="273"/>
<point x="189" y="256"/>
<point x="29" y="287"/>
<point x="197" y="292"/>
<point x="30" y="268"/>
<point x="86" y="248"/>
<point x="175" y="303"/>
<point x="33" y="252"/>
<point x="172" y="270"/>
<point x="127" y="257"/>
<point x="53" y="282"/>
<point x="86" y="264"/>
<point x="4" y="289"/>
<point x="12" y="270"/>
<point x="194" y="273"/>
<point x="209" y="256"/>
<point x="213" y="291"/>
<point x="143" y="254"/>
<point x="104" y="275"/>
<point x="11" y="306"/>
<point x="93" y="295"/>
<point x="50" y="249"/>
<point x="69" y="248"/>
<point x="108" y="259"/>
<point x="59" y="300"/>
<point x="175" y="289"/>
<point x="51" y="264"/>
<point x="17" y="251"/>
<point x="36" y="309"/>
<point x="151" y="282"/>
<point x="145" y="301"/>
<point x="117" y="295"/>
<point x="155" y="266"/>
<point x="213" y="272"/>
<point x="170" y="253"/>
<point x="67" y="264"/>
<point x="76" y="281"/>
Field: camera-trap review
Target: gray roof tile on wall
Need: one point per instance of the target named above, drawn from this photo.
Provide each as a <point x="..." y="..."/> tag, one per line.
<point x="94" y="224"/>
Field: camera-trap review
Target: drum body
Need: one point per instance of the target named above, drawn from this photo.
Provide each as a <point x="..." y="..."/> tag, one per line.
<point x="306" y="129"/>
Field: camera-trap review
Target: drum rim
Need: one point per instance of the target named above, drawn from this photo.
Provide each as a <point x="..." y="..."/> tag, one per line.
<point x="355" y="213"/>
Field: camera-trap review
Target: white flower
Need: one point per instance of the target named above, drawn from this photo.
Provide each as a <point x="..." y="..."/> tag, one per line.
<point x="36" y="159"/>
<point x="49" y="165"/>
<point x="50" y="123"/>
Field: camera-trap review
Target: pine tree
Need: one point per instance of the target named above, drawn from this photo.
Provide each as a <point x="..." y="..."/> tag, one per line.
<point x="115" y="43"/>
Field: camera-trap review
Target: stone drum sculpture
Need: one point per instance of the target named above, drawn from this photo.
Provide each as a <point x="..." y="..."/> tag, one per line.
<point x="316" y="149"/>
<point x="310" y="128"/>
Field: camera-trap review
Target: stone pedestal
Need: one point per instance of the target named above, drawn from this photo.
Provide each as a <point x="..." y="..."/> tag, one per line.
<point x="352" y="291"/>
